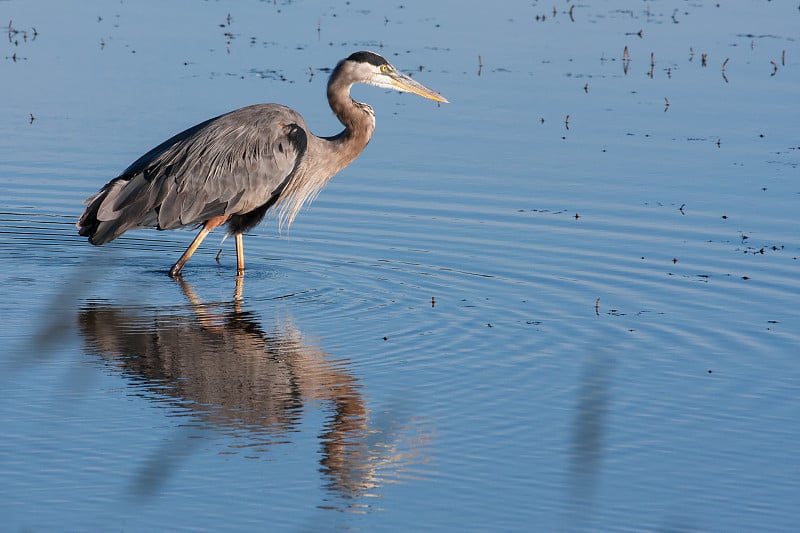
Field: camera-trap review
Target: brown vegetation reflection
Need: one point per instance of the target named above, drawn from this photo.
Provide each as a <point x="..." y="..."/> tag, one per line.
<point x="218" y="362"/>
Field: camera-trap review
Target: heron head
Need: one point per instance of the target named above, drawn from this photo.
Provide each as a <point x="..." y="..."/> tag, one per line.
<point x="370" y="68"/>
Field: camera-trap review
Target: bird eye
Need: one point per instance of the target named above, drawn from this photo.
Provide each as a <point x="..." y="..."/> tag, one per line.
<point x="384" y="68"/>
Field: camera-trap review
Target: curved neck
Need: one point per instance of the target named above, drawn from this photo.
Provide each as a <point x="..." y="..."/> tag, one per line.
<point x="325" y="156"/>
<point x="358" y="120"/>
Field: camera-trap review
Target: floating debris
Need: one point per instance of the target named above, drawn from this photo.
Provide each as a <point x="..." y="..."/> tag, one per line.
<point x="626" y="61"/>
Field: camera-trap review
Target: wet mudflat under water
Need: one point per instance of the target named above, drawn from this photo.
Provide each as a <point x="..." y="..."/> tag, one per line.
<point x="565" y="301"/>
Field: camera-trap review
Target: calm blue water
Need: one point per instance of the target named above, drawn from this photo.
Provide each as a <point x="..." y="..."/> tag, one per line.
<point x="565" y="301"/>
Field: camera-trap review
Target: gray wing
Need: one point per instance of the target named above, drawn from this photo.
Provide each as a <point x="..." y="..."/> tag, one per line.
<point x="228" y="165"/>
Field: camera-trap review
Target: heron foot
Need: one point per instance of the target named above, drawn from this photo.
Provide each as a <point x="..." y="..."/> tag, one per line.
<point x="175" y="272"/>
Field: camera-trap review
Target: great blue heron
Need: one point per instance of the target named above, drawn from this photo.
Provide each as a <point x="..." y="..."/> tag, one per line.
<point x="233" y="168"/>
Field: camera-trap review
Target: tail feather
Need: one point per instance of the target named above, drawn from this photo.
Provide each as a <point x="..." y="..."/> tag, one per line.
<point x="119" y="206"/>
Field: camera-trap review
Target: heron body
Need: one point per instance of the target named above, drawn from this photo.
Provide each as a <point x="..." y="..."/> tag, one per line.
<point x="233" y="168"/>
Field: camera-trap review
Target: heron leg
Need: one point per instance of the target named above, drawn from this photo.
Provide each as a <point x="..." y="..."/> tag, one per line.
<point x="178" y="266"/>
<point x="237" y="293"/>
<point x="239" y="254"/>
<point x="208" y="226"/>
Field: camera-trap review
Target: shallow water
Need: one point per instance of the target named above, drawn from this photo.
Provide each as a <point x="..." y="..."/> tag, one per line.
<point x="565" y="301"/>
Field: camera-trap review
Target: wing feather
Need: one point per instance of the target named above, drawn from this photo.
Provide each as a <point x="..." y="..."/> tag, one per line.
<point x="229" y="165"/>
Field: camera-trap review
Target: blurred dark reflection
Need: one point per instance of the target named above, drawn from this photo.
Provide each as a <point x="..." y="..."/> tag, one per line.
<point x="588" y="443"/>
<point x="217" y="361"/>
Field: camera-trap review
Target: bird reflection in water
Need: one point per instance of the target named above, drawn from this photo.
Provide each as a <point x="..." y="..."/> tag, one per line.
<point x="218" y="362"/>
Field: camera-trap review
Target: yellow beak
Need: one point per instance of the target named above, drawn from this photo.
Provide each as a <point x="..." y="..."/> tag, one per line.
<point x="407" y="84"/>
